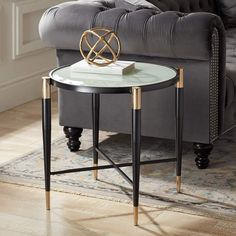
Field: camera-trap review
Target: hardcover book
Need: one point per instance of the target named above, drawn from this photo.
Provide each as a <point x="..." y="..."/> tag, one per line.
<point x="117" y="68"/>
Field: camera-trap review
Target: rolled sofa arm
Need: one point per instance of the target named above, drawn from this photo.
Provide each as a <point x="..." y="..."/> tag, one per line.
<point x="142" y="32"/>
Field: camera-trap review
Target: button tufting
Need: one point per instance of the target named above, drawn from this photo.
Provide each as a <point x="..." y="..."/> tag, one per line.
<point x="185" y="5"/>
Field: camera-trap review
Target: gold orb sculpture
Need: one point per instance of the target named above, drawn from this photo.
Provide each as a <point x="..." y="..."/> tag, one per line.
<point x="100" y="47"/>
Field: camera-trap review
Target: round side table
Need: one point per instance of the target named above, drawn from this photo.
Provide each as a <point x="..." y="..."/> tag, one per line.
<point x="145" y="77"/>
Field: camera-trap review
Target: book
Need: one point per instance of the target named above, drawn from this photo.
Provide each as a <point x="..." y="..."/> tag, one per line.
<point x="117" y="68"/>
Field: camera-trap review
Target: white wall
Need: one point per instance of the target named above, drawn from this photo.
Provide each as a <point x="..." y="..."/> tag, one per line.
<point x="24" y="59"/>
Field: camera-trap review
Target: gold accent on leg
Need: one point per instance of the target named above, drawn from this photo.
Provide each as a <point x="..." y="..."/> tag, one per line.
<point x="135" y="216"/>
<point x="178" y="183"/>
<point x="47" y="193"/>
<point x="46" y="93"/>
<point x="180" y="83"/>
<point x="95" y="172"/>
<point x="136" y="93"/>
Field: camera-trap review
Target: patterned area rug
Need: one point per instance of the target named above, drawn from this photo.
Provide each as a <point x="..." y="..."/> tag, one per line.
<point x="204" y="192"/>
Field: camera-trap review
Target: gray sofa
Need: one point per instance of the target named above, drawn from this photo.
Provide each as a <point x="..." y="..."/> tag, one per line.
<point x="198" y="35"/>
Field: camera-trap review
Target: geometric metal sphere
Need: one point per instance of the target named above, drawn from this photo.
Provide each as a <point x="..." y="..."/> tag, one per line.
<point x="100" y="46"/>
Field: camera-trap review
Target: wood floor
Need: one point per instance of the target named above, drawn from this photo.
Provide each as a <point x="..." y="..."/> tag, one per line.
<point x="22" y="209"/>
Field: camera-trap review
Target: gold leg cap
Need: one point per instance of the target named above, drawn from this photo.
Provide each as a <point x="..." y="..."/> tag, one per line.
<point x="178" y="184"/>
<point x="135" y="216"/>
<point x="95" y="172"/>
<point x="47" y="200"/>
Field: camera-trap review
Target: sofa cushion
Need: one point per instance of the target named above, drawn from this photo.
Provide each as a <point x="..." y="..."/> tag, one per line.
<point x="134" y="4"/>
<point x="231" y="66"/>
<point x="103" y="3"/>
<point x="186" y="6"/>
<point x="227" y="10"/>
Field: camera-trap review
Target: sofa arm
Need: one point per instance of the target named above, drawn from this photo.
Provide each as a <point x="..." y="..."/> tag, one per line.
<point x="143" y="32"/>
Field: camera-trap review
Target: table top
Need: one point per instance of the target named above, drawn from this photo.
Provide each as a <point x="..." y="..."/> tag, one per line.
<point x="145" y="75"/>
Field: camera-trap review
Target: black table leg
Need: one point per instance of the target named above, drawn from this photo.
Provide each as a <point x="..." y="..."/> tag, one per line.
<point x="95" y="125"/>
<point x="136" y="142"/>
<point x="179" y="127"/>
<point x="46" y="118"/>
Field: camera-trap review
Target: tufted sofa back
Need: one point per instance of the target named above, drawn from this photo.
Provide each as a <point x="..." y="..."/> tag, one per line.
<point x="185" y="5"/>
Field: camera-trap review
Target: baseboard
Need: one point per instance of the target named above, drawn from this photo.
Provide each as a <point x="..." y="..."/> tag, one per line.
<point x="21" y="90"/>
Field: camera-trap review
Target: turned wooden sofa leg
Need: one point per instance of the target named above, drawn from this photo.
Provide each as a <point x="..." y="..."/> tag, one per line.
<point x="73" y="134"/>
<point x="202" y="151"/>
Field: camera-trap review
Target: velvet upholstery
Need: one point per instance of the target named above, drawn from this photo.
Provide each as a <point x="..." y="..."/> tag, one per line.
<point x="185" y="5"/>
<point x="227" y="10"/>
